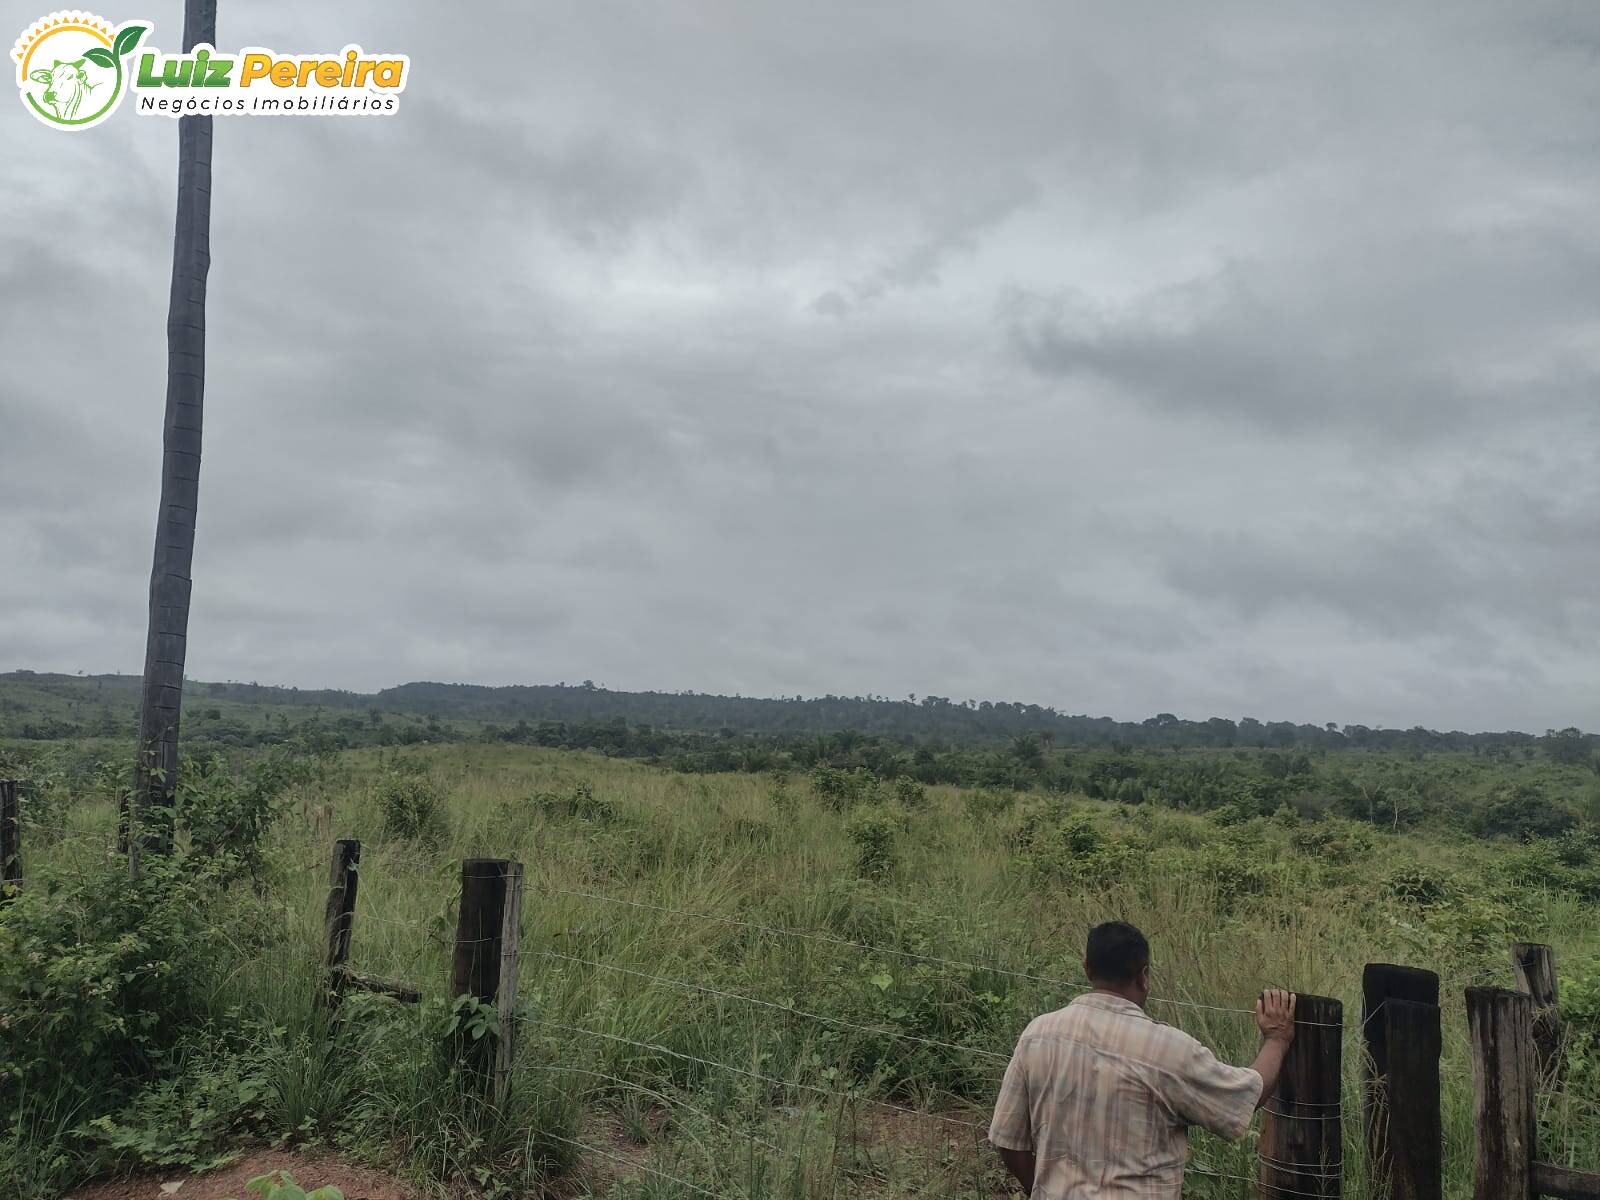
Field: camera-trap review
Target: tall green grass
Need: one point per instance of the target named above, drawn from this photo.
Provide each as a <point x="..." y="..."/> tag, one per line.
<point x="976" y="922"/>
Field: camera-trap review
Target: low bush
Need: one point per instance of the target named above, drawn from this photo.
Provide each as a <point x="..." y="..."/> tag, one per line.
<point x="873" y="832"/>
<point x="1422" y="886"/>
<point x="1076" y="850"/>
<point x="1522" y="811"/>
<point x="413" y="805"/>
<point x="1335" y="840"/>
<point x="1580" y="1012"/>
<point x="578" y="803"/>
<point x="911" y="794"/>
<point x="987" y="804"/>
<point x="280" y="1185"/>
<point x="839" y="790"/>
<point x="227" y="812"/>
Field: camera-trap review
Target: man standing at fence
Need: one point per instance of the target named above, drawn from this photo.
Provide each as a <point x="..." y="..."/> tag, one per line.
<point x="1099" y="1096"/>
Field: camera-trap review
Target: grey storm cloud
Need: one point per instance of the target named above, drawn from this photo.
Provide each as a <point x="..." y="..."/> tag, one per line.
<point x="1226" y="359"/>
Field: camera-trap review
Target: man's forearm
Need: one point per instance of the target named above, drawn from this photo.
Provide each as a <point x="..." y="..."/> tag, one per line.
<point x="1269" y="1065"/>
<point x="1020" y="1163"/>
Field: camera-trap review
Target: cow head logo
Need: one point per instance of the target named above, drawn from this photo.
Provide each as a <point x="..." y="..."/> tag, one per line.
<point x="70" y="67"/>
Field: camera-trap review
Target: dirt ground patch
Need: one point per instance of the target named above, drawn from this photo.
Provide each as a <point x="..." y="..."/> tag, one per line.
<point x="310" y="1171"/>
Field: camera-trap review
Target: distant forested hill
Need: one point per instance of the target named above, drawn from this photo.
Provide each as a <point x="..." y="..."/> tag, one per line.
<point x="45" y="706"/>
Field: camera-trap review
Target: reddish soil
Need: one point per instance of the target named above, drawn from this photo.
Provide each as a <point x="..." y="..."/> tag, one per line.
<point x="310" y="1171"/>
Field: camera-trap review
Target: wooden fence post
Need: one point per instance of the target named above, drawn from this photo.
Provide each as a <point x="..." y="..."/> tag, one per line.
<point x="10" y="840"/>
<point x="1301" y="1148"/>
<point x="506" y="992"/>
<point x="1565" y="1183"/>
<point x="1405" y="1136"/>
<point x="339" y="916"/>
<point x="491" y="900"/>
<point x="1535" y="965"/>
<point x="1504" y="1075"/>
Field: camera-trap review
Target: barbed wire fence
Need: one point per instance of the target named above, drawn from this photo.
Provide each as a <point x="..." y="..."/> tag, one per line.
<point x="1299" y="1154"/>
<point x="483" y="933"/>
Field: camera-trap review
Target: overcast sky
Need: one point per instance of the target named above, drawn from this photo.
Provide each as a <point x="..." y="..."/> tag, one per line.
<point x="1208" y="358"/>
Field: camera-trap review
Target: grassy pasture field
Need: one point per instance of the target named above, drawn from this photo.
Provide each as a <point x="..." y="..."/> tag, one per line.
<point x="896" y="936"/>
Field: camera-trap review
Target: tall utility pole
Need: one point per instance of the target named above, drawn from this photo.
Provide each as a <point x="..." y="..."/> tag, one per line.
<point x="155" y="778"/>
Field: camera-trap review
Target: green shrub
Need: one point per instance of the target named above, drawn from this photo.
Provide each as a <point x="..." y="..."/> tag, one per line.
<point x="987" y="804"/>
<point x="1076" y="850"/>
<point x="580" y="803"/>
<point x="1335" y="840"/>
<point x="411" y="1091"/>
<point x="1562" y="864"/>
<point x="873" y="832"/>
<point x="280" y="1185"/>
<point x="894" y="1000"/>
<point x="185" y="1121"/>
<point x="1243" y="807"/>
<point x="1522" y="811"/>
<point x="1580" y="1013"/>
<point x="98" y="974"/>
<point x="1422" y="886"/>
<point x="1470" y="930"/>
<point x="839" y="790"/>
<point x="412" y="804"/>
<point x="228" y="812"/>
<point x="1231" y="874"/>
<point x="911" y="794"/>
<point x="780" y="796"/>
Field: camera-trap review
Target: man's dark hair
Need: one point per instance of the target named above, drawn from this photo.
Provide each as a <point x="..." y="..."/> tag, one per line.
<point x="1117" y="953"/>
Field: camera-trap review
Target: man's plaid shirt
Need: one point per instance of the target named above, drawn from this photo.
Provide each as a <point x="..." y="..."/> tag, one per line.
<point x="1104" y="1094"/>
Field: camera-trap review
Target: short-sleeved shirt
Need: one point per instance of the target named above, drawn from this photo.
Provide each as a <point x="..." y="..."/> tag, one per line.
<point x="1104" y="1094"/>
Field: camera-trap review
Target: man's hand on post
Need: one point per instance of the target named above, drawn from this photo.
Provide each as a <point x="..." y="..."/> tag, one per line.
<point x="1275" y="1019"/>
<point x="1275" y="1015"/>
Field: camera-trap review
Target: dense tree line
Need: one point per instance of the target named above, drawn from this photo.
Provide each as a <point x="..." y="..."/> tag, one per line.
<point x="52" y="706"/>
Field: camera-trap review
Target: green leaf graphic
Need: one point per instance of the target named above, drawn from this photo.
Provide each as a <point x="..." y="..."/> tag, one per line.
<point x="100" y="57"/>
<point x="128" y="39"/>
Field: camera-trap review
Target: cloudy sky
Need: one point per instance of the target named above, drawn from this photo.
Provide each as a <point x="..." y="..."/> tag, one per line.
<point x="1217" y="359"/>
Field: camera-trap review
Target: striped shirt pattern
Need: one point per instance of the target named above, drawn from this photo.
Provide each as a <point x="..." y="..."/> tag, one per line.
<point x="1104" y="1094"/>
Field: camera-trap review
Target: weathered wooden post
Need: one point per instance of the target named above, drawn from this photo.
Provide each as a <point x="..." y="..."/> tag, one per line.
<point x="1400" y="1074"/>
<point x="1301" y="1151"/>
<point x="1565" y="1183"/>
<point x="1504" y="1075"/>
<point x="339" y="917"/>
<point x="506" y="993"/>
<point x="1535" y="965"/>
<point x="485" y="963"/>
<point x="10" y="840"/>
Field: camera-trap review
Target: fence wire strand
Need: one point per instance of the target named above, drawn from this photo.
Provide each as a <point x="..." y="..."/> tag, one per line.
<point x="868" y="947"/>
<point x="708" y="990"/>
<point x="769" y="1079"/>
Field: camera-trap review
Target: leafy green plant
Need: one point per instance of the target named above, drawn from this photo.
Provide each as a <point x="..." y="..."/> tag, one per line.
<point x="839" y="790"/>
<point x="1580" y="1010"/>
<point x="412" y="804"/>
<point x="1077" y="850"/>
<point x="780" y="795"/>
<point x="100" y="975"/>
<point x="579" y="802"/>
<point x="910" y="793"/>
<point x="280" y="1185"/>
<point x="873" y="831"/>
<point x="227" y="813"/>
<point x="986" y="804"/>
<point x="1422" y="886"/>
<point x="1523" y="811"/>
<point x="184" y="1121"/>
<point x="1334" y="840"/>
